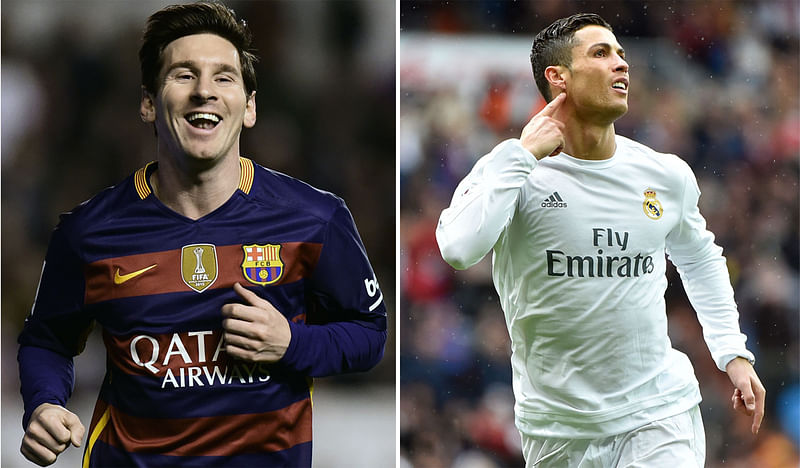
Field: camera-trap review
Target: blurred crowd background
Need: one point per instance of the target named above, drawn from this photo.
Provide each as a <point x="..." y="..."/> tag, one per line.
<point x="70" y="127"/>
<point x="715" y="82"/>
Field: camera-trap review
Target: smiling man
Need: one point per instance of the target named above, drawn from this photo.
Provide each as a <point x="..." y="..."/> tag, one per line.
<point x="579" y="220"/>
<point x="222" y="287"/>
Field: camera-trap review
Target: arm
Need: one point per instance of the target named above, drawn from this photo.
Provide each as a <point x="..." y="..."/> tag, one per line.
<point x="344" y="288"/>
<point x="705" y="277"/>
<point x="349" y="305"/>
<point x="483" y="204"/>
<point x="485" y="201"/>
<point x="45" y="377"/>
<point x="55" y="331"/>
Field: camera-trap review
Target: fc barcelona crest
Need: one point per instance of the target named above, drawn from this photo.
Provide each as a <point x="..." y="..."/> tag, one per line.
<point x="262" y="263"/>
<point x="199" y="266"/>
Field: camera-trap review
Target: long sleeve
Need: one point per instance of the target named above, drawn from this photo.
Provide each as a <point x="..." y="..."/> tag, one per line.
<point x="346" y="331"/>
<point x="704" y="273"/>
<point x="483" y="204"/>
<point x="45" y="377"/>
<point x="55" y="330"/>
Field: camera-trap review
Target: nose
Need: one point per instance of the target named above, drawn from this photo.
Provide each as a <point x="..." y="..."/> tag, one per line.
<point x="621" y="65"/>
<point x="203" y="90"/>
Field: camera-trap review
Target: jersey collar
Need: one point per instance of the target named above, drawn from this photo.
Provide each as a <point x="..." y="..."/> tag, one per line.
<point x="141" y="180"/>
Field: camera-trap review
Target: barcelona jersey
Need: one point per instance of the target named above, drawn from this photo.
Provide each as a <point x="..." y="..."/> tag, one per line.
<point x="155" y="281"/>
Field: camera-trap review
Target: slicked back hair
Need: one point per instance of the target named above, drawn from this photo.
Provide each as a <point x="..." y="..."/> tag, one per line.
<point x="176" y="21"/>
<point x="553" y="46"/>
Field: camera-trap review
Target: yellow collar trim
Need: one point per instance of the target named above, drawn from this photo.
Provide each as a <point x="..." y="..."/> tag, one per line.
<point x="246" y="174"/>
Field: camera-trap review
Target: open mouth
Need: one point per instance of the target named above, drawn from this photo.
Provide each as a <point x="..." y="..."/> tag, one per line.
<point x="203" y="120"/>
<point x="620" y="84"/>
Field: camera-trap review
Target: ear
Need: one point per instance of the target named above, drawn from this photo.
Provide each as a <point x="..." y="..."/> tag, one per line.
<point x="556" y="76"/>
<point x="147" y="108"/>
<point x="250" y="111"/>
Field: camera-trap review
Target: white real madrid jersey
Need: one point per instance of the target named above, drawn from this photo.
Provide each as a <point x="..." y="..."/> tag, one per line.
<point x="579" y="264"/>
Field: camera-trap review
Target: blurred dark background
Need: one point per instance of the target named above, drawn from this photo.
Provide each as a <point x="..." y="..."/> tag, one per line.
<point x="715" y="82"/>
<point x="70" y="127"/>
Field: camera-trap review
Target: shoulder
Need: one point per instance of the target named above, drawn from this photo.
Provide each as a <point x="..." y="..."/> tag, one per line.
<point x="102" y="207"/>
<point x="271" y="187"/>
<point x="641" y="154"/>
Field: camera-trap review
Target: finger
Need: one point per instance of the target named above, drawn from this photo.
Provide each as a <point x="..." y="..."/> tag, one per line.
<point x="237" y="326"/>
<point x="242" y="343"/>
<point x="238" y="353"/>
<point x="748" y="396"/>
<point x="758" y="415"/>
<point x="249" y="296"/>
<point x="738" y="405"/>
<point x="737" y="397"/>
<point x="251" y="299"/>
<point x="244" y="313"/>
<point x="37" y="453"/>
<point x="49" y="429"/>
<point x="41" y="436"/>
<point x="240" y="348"/>
<point x="557" y="150"/>
<point x="76" y="429"/>
<point x="552" y="107"/>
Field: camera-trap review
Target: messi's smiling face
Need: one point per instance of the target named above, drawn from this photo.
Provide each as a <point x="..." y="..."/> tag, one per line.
<point x="201" y="104"/>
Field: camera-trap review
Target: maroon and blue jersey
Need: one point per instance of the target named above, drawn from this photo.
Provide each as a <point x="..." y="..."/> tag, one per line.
<point x="156" y="282"/>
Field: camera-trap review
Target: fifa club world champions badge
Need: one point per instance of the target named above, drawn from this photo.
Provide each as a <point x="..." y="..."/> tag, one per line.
<point x="199" y="266"/>
<point x="652" y="207"/>
<point x="262" y="263"/>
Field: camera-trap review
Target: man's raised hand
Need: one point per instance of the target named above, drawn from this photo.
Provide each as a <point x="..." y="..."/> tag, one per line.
<point x="543" y="135"/>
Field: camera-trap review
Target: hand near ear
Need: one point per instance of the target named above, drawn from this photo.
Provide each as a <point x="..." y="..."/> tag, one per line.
<point x="543" y="135"/>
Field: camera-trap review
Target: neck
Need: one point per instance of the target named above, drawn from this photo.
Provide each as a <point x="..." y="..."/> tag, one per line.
<point x="195" y="190"/>
<point x="587" y="141"/>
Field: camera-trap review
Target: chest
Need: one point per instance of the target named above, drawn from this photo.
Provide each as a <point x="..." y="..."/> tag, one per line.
<point x="163" y="276"/>
<point x="596" y="212"/>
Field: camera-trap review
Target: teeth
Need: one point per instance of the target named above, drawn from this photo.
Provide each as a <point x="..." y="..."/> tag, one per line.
<point x="202" y="115"/>
<point x="619" y="85"/>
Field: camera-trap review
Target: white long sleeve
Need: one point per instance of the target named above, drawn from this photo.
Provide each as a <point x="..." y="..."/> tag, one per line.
<point x="690" y="246"/>
<point x="483" y="204"/>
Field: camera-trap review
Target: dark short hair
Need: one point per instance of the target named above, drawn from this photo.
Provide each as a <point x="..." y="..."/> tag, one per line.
<point x="176" y="21"/>
<point x="553" y="46"/>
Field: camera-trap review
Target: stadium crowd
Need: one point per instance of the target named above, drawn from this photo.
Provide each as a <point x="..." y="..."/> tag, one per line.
<point x="714" y="82"/>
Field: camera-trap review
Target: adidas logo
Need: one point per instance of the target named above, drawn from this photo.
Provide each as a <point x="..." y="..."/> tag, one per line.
<point x="554" y="201"/>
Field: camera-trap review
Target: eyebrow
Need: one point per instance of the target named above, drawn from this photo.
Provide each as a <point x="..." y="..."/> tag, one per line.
<point x="192" y="65"/>
<point x="606" y="45"/>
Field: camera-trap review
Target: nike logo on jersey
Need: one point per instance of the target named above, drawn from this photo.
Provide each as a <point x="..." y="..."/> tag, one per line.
<point x="119" y="279"/>
<point x="554" y="201"/>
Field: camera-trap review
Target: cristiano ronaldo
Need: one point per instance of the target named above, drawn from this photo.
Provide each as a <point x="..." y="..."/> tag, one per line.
<point x="580" y="221"/>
